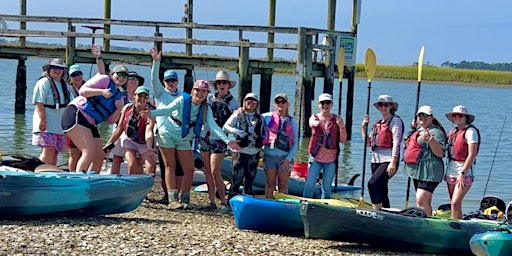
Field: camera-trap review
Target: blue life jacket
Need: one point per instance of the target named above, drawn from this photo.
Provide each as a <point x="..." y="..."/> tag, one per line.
<point x="185" y="124"/>
<point x="99" y="107"/>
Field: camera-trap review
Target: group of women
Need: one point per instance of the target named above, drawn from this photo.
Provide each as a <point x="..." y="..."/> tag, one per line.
<point x="425" y="148"/>
<point x="213" y="122"/>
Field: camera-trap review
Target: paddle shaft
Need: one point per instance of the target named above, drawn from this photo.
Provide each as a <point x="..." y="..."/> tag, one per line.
<point x="341" y="68"/>
<point x="366" y="136"/>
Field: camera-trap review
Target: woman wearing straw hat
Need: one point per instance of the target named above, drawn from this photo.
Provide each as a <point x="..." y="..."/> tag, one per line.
<point x="385" y="140"/>
<point x="423" y="157"/>
<point x="463" y="144"/>
<point x="212" y="148"/>
<point x="51" y="96"/>
<point x="186" y="116"/>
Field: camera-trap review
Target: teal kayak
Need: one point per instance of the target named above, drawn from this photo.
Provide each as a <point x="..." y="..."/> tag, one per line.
<point x="43" y="194"/>
<point x="496" y="242"/>
<point x="408" y="230"/>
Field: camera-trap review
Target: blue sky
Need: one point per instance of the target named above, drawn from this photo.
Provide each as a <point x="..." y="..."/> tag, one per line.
<point x="453" y="30"/>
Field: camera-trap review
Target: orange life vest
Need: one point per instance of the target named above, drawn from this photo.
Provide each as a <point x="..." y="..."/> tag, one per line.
<point x="134" y="128"/>
<point x="457" y="145"/>
<point x="412" y="149"/>
<point x="382" y="136"/>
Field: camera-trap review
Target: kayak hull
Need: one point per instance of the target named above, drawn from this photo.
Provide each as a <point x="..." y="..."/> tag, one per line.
<point x="492" y="243"/>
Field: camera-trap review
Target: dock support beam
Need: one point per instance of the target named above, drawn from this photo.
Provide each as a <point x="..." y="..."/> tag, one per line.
<point x="271" y="23"/>
<point x="107" y="15"/>
<point x="189" y="14"/>
<point x="265" y="90"/>
<point x="21" y="87"/>
<point x="71" y="47"/>
<point x="350" y="100"/>
<point x="245" y="77"/>
<point x="189" y="81"/>
<point x="300" y="70"/>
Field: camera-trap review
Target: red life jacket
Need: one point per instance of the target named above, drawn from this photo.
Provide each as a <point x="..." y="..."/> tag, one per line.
<point x="134" y="128"/>
<point x="457" y="145"/>
<point x="382" y="136"/>
<point x="412" y="149"/>
<point x="319" y="138"/>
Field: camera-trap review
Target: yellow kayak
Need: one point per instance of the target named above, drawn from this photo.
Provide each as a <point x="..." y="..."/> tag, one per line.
<point x="343" y="202"/>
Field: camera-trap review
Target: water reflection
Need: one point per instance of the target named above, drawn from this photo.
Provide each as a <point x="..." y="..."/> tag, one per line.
<point x="19" y="133"/>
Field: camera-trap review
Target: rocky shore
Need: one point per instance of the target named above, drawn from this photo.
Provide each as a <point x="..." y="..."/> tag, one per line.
<point x="154" y="230"/>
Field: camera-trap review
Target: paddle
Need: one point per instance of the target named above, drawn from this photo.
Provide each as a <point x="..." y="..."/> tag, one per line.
<point x="341" y="67"/>
<point x="420" y="69"/>
<point x="370" y="64"/>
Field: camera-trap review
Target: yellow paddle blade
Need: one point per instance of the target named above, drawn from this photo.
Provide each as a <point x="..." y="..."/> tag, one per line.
<point x="420" y="63"/>
<point x="341" y="62"/>
<point x="370" y="64"/>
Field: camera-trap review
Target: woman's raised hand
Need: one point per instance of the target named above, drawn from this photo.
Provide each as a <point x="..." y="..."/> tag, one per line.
<point x="155" y="54"/>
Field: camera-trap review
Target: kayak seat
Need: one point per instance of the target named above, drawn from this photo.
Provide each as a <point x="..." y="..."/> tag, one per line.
<point x="414" y="212"/>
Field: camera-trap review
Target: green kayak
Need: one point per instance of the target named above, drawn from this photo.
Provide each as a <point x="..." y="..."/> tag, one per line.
<point x="408" y="230"/>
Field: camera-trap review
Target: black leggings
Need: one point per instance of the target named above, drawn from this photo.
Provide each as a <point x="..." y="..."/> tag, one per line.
<point x="429" y="186"/>
<point x="378" y="184"/>
<point x="244" y="169"/>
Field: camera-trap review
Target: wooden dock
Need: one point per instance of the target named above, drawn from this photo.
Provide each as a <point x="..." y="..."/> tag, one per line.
<point x="306" y="47"/>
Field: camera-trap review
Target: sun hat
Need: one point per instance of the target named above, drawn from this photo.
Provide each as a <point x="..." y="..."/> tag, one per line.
<point x="120" y="68"/>
<point x="201" y="85"/>
<point x="426" y="110"/>
<point x="461" y="110"/>
<point x="223" y="76"/>
<point x="74" y="68"/>
<point x="54" y="62"/>
<point x="142" y="89"/>
<point x="281" y="95"/>
<point x="135" y="74"/>
<point x="386" y="99"/>
<point x="323" y="97"/>
<point x="252" y="95"/>
<point x="170" y="74"/>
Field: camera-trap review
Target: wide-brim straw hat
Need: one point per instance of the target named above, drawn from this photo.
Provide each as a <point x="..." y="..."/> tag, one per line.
<point x="223" y="76"/>
<point x="386" y="99"/>
<point x="54" y="62"/>
<point x="461" y="110"/>
<point x="135" y="74"/>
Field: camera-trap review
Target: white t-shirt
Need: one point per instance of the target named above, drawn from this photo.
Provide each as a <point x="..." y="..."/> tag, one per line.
<point x="454" y="167"/>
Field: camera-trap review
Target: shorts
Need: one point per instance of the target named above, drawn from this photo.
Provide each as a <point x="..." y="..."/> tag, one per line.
<point x="127" y="143"/>
<point x="429" y="186"/>
<point x="72" y="117"/>
<point x="167" y="142"/>
<point x="118" y="149"/>
<point x="48" y="139"/>
<point x="453" y="180"/>
<point x="274" y="162"/>
<point x="212" y="146"/>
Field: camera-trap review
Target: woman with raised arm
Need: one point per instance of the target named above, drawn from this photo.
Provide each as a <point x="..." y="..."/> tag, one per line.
<point x="185" y="117"/>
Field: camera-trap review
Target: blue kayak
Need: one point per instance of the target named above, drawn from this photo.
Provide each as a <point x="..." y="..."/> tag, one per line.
<point x="24" y="193"/>
<point x="492" y="243"/>
<point x="268" y="216"/>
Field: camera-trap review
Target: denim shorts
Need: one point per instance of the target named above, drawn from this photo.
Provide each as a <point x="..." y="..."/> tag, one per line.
<point x="274" y="162"/>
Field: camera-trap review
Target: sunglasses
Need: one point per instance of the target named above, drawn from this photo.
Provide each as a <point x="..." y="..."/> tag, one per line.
<point x="251" y="100"/>
<point x="325" y="102"/>
<point x="57" y="68"/>
<point x="457" y="115"/>
<point x="133" y="78"/>
<point x="171" y="80"/>
<point x="222" y="82"/>
<point x="280" y="101"/>
<point x="76" y="74"/>
<point x="122" y="74"/>
<point x="383" y="104"/>
<point x="423" y="115"/>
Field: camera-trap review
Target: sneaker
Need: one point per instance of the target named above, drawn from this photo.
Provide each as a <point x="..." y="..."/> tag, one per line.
<point x="175" y="205"/>
<point x="211" y="207"/>
<point x="185" y="199"/>
<point x="164" y="200"/>
<point x="225" y="209"/>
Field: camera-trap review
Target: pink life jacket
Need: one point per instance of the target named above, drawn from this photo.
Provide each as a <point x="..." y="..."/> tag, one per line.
<point x="282" y="138"/>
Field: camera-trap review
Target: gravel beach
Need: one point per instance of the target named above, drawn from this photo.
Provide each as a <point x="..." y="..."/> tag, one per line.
<point x="154" y="230"/>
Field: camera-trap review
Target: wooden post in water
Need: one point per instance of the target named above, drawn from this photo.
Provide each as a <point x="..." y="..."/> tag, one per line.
<point x="23" y="24"/>
<point x="271" y="23"/>
<point x="21" y="87"/>
<point x="329" y="69"/>
<point x="299" y="79"/>
<point x="245" y="79"/>
<point x="350" y="100"/>
<point x="265" y="90"/>
<point x="308" y="87"/>
<point x="106" y="15"/>
<point x="189" y="81"/>
<point x="189" y="13"/>
<point x="71" y="46"/>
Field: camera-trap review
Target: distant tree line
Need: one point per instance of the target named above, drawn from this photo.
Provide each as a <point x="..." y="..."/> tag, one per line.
<point x="478" y="65"/>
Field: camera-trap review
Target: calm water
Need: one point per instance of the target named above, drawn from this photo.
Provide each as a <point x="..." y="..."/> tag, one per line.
<point x="490" y="105"/>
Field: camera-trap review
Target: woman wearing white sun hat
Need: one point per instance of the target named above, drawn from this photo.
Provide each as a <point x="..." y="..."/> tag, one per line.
<point x="463" y="145"/>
